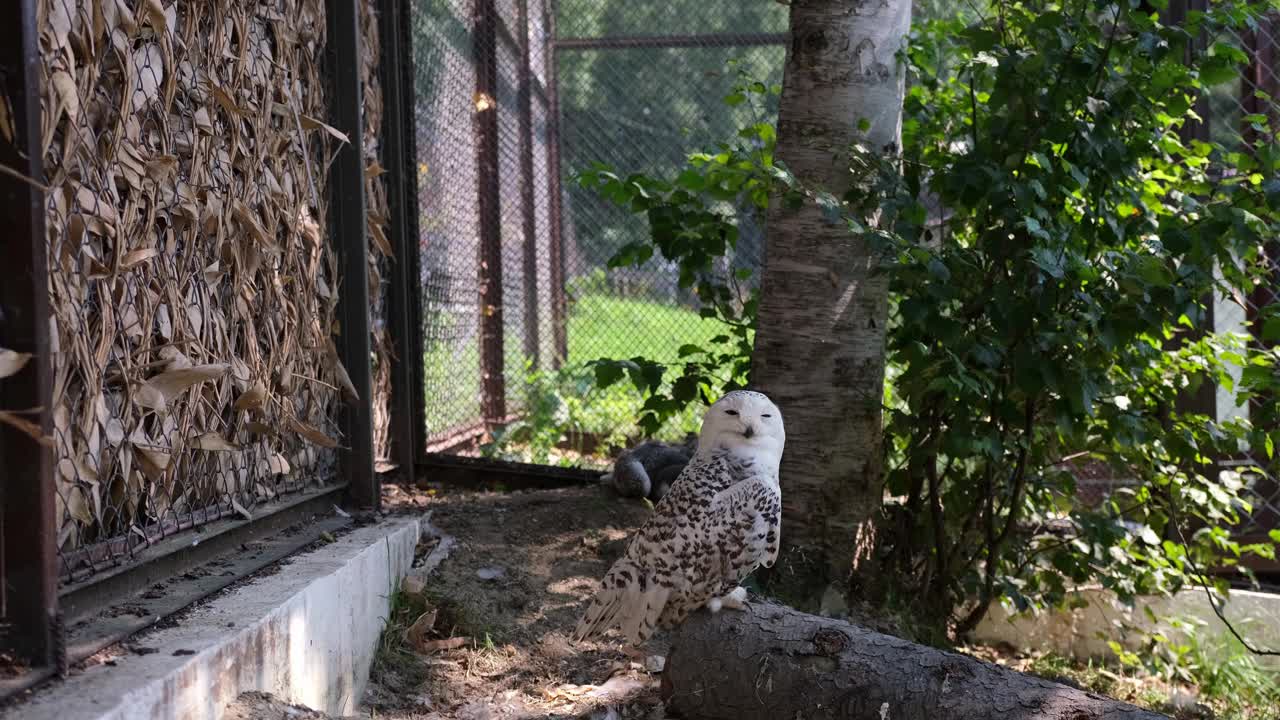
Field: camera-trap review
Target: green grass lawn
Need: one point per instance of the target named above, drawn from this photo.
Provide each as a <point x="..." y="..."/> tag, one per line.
<point x="599" y="326"/>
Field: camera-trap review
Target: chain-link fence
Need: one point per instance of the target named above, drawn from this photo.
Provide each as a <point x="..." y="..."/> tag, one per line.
<point x="1244" y="114"/>
<point x="191" y="288"/>
<point x="619" y="107"/>
<point x="511" y="299"/>
<point x="481" y="121"/>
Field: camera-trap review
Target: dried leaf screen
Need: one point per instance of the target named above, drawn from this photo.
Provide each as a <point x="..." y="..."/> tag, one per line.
<point x="378" y="215"/>
<point x="193" y="287"/>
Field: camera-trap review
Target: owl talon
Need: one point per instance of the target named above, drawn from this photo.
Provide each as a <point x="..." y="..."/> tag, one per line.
<point x="735" y="599"/>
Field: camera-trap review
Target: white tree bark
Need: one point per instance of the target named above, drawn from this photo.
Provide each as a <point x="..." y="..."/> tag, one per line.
<point x="819" y="349"/>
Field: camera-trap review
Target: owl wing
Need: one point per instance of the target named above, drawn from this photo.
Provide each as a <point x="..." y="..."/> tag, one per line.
<point x="745" y="531"/>
<point x="654" y="567"/>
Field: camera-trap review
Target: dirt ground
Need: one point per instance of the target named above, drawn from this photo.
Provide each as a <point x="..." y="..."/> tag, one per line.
<point x="487" y="637"/>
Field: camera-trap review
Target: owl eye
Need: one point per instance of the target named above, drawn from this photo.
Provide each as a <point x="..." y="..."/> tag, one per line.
<point x="766" y="415"/>
<point x="730" y="412"/>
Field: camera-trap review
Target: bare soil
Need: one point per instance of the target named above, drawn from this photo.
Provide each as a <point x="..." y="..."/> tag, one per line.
<point x="520" y="572"/>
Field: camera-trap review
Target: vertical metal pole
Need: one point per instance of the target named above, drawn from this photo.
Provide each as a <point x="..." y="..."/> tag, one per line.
<point x="27" y="532"/>
<point x="559" y="322"/>
<point x="347" y="223"/>
<point x="413" y="260"/>
<point x="406" y="428"/>
<point x="485" y="126"/>
<point x="532" y="348"/>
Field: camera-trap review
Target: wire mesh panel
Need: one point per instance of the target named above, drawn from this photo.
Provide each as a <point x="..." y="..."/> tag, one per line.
<point x="1244" y="114"/>
<point x="640" y="87"/>
<point x="449" y="226"/>
<point x="514" y="99"/>
<point x="191" y="283"/>
<point x="482" y="160"/>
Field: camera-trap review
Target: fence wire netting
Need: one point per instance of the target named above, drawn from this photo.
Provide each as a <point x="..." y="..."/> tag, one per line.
<point x="481" y="124"/>
<point x="1245" y="114"/>
<point x="191" y="286"/>
<point x="634" y="86"/>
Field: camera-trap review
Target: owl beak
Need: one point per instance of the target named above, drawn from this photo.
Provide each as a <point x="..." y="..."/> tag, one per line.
<point x="749" y="432"/>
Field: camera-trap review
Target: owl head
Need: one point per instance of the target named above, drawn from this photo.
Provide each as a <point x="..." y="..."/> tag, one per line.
<point x="744" y="421"/>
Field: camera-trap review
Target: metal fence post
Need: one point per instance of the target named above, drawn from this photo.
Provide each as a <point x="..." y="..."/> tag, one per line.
<point x="347" y="223"/>
<point x="532" y="347"/>
<point x="488" y="205"/>
<point x="28" y="552"/>
<point x="559" y="310"/>
<point x="413" y="238"/>
<point x="407" y="423"/>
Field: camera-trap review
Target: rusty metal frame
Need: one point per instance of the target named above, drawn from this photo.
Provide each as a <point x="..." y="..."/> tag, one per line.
<point x="488" y="205"/>
<point x="630" y="42"/>
<point x="31" y="627"/>
<point x="555" y="192"/>
<point x="524" y="98"/>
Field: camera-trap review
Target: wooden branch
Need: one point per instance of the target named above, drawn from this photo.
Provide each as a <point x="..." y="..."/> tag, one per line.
<point x="770" y="662"/>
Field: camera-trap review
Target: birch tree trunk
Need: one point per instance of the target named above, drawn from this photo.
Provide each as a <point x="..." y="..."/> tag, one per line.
<point x="819" y="348"/>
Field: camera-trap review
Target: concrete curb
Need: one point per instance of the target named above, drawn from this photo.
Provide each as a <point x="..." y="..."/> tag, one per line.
<point x="1075" y="633"/>
<point x="306" y="634"/>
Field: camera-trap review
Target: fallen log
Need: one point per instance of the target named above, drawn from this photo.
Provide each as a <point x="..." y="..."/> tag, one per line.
<point x="770" y="662"/>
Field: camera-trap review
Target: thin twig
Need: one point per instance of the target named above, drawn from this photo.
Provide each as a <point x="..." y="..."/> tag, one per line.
<point x="314" y="380"/>
<point x="6" y="170"/>
<point x="1200" y="579"/>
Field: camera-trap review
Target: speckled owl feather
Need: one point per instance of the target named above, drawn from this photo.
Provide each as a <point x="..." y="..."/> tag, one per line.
<point x="718" y="523"/>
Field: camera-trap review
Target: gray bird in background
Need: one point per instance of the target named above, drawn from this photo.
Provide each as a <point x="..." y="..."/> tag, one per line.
<point x="648" y="469"/>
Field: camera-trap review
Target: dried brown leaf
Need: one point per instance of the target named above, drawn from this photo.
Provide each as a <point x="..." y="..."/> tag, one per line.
<point x="259" y="428"/>
<point x="133" y="258"/>
<point x="12" y="362"/>
<point x="160" y="390"/>
<point x="417" y="633"/>
<point x="156" y="16"/>
<point x="213" y="442"/>
<point x="252" y="398"/>
<point x="312" y="434"/>
<point x="277" y="465"/>
<point x="311" y="123"/>
<point x="162" y="167"/>
<point x="434" y="646"/>
<point x="344" y="379"/>
<point x="23" y="425"/>
<point x="68" y="97"/>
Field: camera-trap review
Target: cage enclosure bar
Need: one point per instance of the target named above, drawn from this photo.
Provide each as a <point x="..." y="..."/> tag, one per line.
<point x="407" y="423"/>
<point x="29" y="615"/>
<point x="348" y="224"/>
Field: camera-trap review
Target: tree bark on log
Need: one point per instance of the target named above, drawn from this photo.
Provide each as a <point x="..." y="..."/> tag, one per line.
<point x="770" y="662"/>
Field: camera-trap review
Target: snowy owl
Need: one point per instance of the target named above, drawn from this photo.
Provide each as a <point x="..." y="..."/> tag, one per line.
<point x="718" y="523"/>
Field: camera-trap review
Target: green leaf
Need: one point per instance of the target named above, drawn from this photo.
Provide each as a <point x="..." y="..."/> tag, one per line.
<point x="608" y="373"/>
<point x="1149" y="536"/>
<point x="1218" y="69"/>
<point x="1271" y="329"/>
